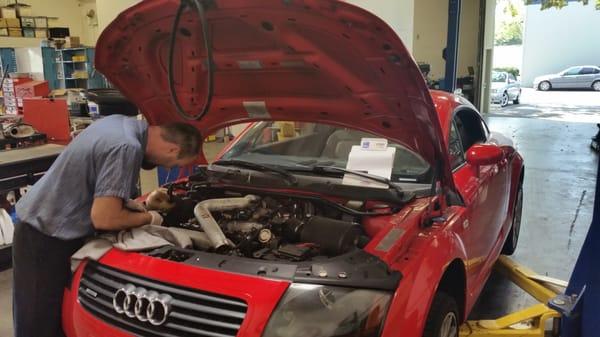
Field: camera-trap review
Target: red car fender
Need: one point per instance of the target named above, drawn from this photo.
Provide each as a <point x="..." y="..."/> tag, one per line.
<point x="517" y="163"/>
<point x="423" y="267"/>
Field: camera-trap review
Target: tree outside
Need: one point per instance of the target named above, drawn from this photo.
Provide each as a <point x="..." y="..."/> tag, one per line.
<point x="546" y="4"/>
<point x="509" y="23"/>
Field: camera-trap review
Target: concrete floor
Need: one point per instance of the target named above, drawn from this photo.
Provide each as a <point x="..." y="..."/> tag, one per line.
<point x="559" y="189"/>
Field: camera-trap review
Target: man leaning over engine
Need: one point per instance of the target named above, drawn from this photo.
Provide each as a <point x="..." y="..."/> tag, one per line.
<point x="85" y="191"/>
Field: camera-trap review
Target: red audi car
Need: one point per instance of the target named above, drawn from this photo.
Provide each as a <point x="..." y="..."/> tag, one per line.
<point x="295" y="236"/>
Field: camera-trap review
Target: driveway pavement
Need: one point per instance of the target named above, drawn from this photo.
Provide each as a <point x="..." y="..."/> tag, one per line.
<point x="568" y="106"/>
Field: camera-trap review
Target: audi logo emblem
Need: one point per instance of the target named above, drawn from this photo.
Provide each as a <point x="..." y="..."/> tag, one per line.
<point x="146" y="306"/>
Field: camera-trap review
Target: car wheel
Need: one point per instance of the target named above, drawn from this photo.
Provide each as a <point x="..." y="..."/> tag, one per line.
<point x="513" y="238"/>
<point x="596" y="85"/>
<point x="517" y="99"/>
<point x="544" y="86"/>
<point x="504" y="100"/>
<point x="442" y="320"/>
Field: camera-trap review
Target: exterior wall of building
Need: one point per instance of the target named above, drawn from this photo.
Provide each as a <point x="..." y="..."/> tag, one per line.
<point x="555" y="39"/>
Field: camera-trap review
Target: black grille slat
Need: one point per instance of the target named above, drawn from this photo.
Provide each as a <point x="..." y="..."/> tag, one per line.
<point x="122" y="322"/>
<point x="172" y="290"/>
<point x="200" y="332"/>
<point x="199" y="320"/>
<point x="97" y="288"/>
<point x="205" y="309"/>
<point x="193" y="314"/>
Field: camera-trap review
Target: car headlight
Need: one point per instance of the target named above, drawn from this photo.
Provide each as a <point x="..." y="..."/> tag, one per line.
<point x="308" y="310"/>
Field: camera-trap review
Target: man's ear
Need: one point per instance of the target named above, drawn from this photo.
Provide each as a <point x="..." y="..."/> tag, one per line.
<point x="174" y="150"/>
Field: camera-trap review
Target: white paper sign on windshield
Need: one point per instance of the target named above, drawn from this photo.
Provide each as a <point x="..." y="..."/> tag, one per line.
<point x="378" y="163"/>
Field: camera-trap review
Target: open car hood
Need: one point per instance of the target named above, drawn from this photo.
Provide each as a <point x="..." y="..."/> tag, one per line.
<point x="318" y="61"/>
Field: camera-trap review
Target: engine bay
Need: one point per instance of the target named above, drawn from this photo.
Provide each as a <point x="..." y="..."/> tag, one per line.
<point x="265" y="226"/>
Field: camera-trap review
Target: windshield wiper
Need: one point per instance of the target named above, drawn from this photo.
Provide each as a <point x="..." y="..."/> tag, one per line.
<point x="290" y="178"/>
<point x="335" y="169"/>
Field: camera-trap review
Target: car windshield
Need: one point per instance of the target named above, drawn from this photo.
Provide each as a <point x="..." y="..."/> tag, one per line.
<point x="498" y="77"/>
<point x="293" y="145"/>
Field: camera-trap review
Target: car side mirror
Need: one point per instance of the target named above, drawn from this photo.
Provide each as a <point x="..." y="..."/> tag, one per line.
<point x="484" y="154"/>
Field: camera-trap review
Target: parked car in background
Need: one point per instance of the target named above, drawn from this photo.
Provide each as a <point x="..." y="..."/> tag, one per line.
<point x="579" y="77"/>
<point x="505" y="88"/>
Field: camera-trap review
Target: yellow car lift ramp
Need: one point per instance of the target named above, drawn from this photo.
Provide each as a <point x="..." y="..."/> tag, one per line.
<point x="529" y="322"/>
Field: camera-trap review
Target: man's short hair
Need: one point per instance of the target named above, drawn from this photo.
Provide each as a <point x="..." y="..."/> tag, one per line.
<point x="186" y="136"/>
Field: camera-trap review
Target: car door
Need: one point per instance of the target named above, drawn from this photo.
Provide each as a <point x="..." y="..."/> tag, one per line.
<point x="567" y="79"/>
<point x="586" y="77"/>
<point x="513" y="87"/>
<point x="485" y="191"/>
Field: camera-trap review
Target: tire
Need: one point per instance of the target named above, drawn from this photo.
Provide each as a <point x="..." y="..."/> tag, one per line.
<point x="517" y="99"/>
<point x="596" y="86"/>
<point x="544" y="86"/>
<point x="443" y="318"/>
<point x="513" y="238"/>
<point x="504" y="100"/>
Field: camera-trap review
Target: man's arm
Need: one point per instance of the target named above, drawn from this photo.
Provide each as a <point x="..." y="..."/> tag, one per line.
<point x="109" y="214"/>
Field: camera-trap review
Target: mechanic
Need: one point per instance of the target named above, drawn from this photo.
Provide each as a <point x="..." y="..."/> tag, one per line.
<point x="86" y="190"/>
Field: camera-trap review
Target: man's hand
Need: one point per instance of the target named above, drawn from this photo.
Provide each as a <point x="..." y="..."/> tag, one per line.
<point x="159" y="200"/>
<point x="135" y="206"/>
<point x="110" y="214"/>
<point x="157" y="219"/>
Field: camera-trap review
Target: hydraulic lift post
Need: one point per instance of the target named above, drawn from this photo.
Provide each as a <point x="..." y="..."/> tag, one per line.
<point x="580" y="304"/>
<point x="451" y="50"/>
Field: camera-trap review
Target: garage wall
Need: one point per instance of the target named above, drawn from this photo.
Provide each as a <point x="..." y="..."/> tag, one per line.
<point x="89" y="34"/>
<point x="468" y="50"/>
<point x="556" y="39"/>
<point x="397" y="13"/>
<point x="429" y="36"/>
<point x="109" y="9"/>
<point x="68" y="13"/>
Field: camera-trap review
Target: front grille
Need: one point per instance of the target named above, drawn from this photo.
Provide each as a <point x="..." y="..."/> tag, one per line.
<point x="193" y="313"/>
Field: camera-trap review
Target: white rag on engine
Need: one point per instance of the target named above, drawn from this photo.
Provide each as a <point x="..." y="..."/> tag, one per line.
<point x="135" y="240"/>
<point x="7" y="228"/>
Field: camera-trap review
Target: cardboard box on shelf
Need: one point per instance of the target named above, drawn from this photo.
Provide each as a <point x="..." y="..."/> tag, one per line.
<point x="41" y="22"/>
<point x="27" y="21"/>
<point x="15" y="32"/>
<point x="28" y="32"/>
<point x="32" y="89"/>
<point x="24" y="11"/>
<point x="79" y="74"/>
<point x="3" y="31"/>
<point x="79" y="58"/>
<point x="13" y="23"/>
<point x="3" y="23"/>
<point x="72" y="42"/>
<point x="41" y="32"/>
<point x="9" y="13"/>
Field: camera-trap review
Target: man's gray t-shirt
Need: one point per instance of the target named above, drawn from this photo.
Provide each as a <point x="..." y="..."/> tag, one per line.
<point x="103" y="161"/>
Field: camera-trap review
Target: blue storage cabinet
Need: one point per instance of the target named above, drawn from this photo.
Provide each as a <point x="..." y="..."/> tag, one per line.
<point x="59" y="69"/>
<point x="8" y="60"/>
<point x="48" y="60"/>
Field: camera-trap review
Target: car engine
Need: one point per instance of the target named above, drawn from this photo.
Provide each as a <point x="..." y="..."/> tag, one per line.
<point x="261" y="226"/>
